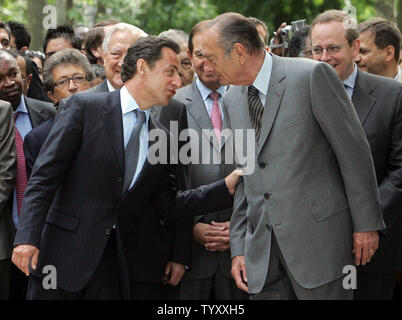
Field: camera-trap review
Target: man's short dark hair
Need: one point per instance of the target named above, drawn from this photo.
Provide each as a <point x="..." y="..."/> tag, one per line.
<point x="28" y="62"/>
<point x="93" y="39"/>
<point x="20" y="33"/>
<point x="297" y="43"/>
<point x="4" y="26"/>
<point x="196" y="29"/>
<point x="385" y="34"/>
<point x="65" y="32"/>
<point x="149" y="49"/>
<point x="235" y="28"/>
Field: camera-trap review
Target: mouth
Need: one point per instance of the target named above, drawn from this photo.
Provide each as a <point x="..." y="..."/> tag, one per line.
<point x="11" y="93"/>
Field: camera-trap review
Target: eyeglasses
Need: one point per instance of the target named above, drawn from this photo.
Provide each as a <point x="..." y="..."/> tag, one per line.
<point x="330" y="50"/>
<point x="63" y="83"/>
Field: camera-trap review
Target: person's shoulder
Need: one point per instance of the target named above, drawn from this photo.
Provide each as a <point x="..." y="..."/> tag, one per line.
<point x="40" y="106"/>
<point x="379" y="82"/>
<point x="185" y="93"/>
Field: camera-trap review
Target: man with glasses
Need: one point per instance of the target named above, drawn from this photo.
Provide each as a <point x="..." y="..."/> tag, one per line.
<point x="67" y="72"/>
<point x="378" y="104"/>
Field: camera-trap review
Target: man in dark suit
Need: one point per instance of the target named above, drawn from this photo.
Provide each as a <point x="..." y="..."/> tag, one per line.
<point x="378" y="103"/>
<point x="28" y="114"/>
<point x="103" y="200"/>
<point x="8" y="160"/>
<point x="67" y="72"/>
<point x="209" y="277"/>
<point x="115" y="46"/>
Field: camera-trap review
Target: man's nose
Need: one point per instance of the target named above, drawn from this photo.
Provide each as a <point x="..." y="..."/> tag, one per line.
<point x="177" y="82"/>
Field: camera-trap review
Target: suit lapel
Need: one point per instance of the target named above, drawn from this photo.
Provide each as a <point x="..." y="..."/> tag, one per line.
<point x="362" y="98"/>
<point x="35" y="113"/>
<point x="112" y="118"/>
<point x="273" y="100"/>
<point x="196" y="107"/>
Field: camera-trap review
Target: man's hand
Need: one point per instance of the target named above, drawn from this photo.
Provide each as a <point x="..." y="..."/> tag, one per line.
<point x="232" y="179"/>
<point x="218" y="237"/>
<point x="278" y="40"/>
<point x="364" y="246"/>
<point x="21" y="256"/>
<point x="239" y="272"/>
<point x="213" y="237"/>
<point x="173" y="273"/>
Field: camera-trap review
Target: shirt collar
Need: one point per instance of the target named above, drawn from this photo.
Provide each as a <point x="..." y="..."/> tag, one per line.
<point x="204" y="91"/>
<point x="351" y="80"/>
<point x="110" y="87"/>
<point x="398" y="74"/>
<point x="260" y="81"/>
<point x="129" y="104"/>
<point x="22" y="108"/>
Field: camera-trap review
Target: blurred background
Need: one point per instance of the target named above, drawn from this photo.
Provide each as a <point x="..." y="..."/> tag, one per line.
<point x="154" y="16"/>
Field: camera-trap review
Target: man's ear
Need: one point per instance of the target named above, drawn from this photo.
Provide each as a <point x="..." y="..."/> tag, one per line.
<point x="142" y="67"/>
<point x="240" y="52"/>
<point x="389" y="53"/>
<point x="29" y="78"/>
<point x="52" y="97"/>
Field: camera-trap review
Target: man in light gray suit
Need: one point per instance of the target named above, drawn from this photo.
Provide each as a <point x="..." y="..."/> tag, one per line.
<point x="8" y="161"/>
<point x="312" y="200"/>
<point x="209" y="277"/>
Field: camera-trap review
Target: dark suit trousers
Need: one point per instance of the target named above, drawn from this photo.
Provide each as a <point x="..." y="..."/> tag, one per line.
<point x="217" y="287"/>
<point x="372" y="286"/>
<point x="105" y="284"/>
<point x="5" y="266"/>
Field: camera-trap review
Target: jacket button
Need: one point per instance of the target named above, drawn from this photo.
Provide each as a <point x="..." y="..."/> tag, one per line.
<point x="107" y="231"/>
<point x="267" y="196"/>
<point x="120" y="179"/>
<point x="262" y="165"/>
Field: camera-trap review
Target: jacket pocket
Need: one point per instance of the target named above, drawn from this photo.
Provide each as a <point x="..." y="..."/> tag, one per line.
<point x="330" y="207"/>
<point x="62" y="220"/>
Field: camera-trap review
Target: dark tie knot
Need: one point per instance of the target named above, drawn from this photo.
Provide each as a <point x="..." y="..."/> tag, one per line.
<point x="140" y="117"/>
<point x="214" y="95"/>
<point x="252" y="91"/>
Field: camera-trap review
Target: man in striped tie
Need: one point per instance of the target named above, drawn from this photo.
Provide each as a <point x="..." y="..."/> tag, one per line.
<point x="28" y="113"/>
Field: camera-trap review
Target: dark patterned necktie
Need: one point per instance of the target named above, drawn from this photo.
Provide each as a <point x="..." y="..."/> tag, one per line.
<point x="132" y="151"/>
<point x="255" y="109"/>
<point x="21" y="176"/>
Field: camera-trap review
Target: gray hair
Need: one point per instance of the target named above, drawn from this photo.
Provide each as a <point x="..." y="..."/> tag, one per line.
<point x="179" y="36"/>
<point x="122" y="26"/>
<point x="66" y="56"/>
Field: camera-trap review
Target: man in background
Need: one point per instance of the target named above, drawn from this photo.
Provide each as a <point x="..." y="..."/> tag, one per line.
<point x="378" y="103"/>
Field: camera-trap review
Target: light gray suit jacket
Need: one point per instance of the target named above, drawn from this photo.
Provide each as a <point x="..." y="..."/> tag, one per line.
<point x="314" y="181"/>
<point x="204" y="262"/>
<point x="8" y="166"/>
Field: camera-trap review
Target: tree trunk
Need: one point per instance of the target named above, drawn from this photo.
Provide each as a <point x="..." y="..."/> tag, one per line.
<point x="34" y="22"/>
<point x="399" y="14"/>
<point x="63" y="6"/>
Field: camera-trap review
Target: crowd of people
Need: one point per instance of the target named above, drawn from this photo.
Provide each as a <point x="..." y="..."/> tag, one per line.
<point x="79" y="193"/>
